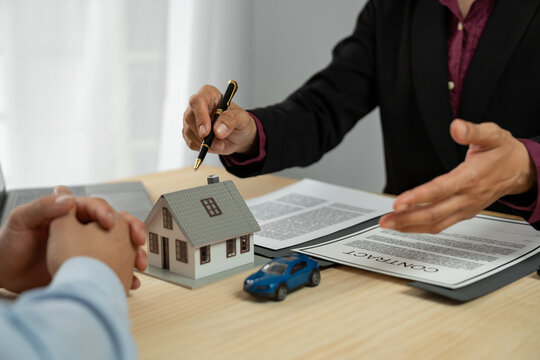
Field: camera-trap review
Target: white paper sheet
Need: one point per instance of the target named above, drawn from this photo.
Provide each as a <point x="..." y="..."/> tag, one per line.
<point x="310" y="209"/>
<point x="460" y="255"/>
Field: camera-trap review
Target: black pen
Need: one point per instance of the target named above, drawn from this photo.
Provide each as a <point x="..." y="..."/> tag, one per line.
<point x="223" y="105"/>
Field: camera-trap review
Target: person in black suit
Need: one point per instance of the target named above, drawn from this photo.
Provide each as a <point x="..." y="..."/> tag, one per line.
<point x="427" y="64"/>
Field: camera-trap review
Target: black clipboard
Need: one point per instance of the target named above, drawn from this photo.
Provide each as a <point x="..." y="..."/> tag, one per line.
<point x="486" y="285"/>
<point x="470" y="292"/>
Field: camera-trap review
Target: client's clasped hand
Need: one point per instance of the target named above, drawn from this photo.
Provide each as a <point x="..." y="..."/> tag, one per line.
<point x="39" y="236"/>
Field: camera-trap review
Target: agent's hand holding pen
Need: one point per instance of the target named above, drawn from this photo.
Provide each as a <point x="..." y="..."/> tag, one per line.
<point x="235" y="130"/>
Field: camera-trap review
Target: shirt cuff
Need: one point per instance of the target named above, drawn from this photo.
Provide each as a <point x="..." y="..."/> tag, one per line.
<point x="243" y="160"/>
<point x="527" y="204"/>
<point x="83" y="273"/>
<point x="84" y="309"/>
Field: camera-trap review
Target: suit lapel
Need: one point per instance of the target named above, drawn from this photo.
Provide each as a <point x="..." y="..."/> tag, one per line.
<point x="429" y="61"/>
<point x="508" y="22"/>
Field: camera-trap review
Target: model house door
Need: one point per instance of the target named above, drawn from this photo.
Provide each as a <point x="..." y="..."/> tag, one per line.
<point x="165" y="253"/>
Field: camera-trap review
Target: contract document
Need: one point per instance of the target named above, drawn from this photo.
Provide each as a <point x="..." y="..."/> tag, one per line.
<point x="460" y="255"/>
<point x="310" y="209"/>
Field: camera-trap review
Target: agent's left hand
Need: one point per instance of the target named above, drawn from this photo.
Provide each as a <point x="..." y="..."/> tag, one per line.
<point x="497" y="164"/>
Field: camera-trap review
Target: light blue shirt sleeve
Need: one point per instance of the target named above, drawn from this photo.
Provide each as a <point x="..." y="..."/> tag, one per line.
<point x="82" y="314"/>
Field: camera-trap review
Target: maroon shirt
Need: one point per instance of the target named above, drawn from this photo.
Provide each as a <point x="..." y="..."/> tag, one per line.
<point x="463" y="38"/>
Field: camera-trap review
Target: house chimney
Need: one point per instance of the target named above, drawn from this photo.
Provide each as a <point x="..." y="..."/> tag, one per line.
<point x="213" y="179"/>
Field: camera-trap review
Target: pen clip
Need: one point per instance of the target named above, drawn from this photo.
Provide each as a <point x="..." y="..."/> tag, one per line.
<point x="233" y="91"/>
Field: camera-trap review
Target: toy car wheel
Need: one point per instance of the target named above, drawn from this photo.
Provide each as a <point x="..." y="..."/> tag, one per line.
<point x="281" y="292"/>
<point x="314" y="278"/>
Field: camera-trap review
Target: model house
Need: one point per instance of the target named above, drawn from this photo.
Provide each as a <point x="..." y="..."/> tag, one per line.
<point x="201" y="231"/>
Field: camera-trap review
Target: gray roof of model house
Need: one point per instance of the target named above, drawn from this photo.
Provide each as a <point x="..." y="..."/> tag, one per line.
<point x="197" y="225"/>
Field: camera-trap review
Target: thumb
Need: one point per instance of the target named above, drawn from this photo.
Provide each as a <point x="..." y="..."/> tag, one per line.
<point x="60" y="191"/>
<point x="486" y="135"/>
<point x="60" y="241"/>
<point x="61" y="220"/>
<point x="41" y="211"/>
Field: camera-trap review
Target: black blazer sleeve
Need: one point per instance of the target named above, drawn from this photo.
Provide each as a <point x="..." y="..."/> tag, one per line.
<point x="316" y="117"/>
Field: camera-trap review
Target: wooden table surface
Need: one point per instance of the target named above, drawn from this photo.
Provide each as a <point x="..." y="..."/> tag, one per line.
<point x="352" y="314"/>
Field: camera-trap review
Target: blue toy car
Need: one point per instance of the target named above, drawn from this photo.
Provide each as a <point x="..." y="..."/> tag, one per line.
<point x="283" y="274"/>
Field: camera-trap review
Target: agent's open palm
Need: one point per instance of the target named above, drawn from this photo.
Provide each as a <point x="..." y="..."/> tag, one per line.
<point x="497" y="164"/>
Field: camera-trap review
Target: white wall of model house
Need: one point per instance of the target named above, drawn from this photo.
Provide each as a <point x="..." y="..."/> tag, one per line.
<point x="219" y="261"/>
<point x="155" y="225"/>
<point x="193" y="268"/>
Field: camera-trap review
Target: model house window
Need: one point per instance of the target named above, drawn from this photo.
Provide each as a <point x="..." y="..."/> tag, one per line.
<point x="231" y="248"/>
<point x="205" y="254"/>
<point x="153" y="243"/>
<point x="181" y="251"/>
<point x="244" y="243"/>
<point x="211" y="207"/>
<point x="167" y="219"/>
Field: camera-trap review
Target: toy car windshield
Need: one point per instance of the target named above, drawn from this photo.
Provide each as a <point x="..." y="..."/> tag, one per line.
<point x="274" y="268"/>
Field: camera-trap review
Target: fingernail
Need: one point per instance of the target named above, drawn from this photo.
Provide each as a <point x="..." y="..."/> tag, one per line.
<point x="400" y="207"/>
<point x="63" y="199"/>
<point x="462" y="130"/>
<point x="142" y="234"/>
<point x="390" y="224"/>
<point x="61" y="190"/>
<point x="221" y="129"/>
<point x="110" y="217"/>
<point x="105" y="217"/>
<point x="202" y="130"/>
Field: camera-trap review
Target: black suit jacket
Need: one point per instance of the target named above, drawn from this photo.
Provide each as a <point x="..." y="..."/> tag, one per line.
<point x="396" y="59"/>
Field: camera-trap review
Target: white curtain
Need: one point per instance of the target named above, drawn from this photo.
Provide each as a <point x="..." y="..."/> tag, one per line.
<point x="82" y="89"/>
<point x="95" y="90"/>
